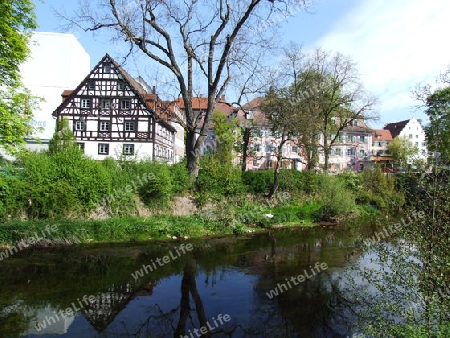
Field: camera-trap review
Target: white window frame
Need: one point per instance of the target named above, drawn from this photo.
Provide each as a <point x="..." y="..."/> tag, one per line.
<point x="80" y="125"/>
<point x="91" y="85"/>
<point x="128" y="149"/>
<point x="102" y="124"/>
<point x="106" y="104"/>
<point x="103" y="149"/>
<point x="127" y="123"/>
<point x="125" y="104"/>
<point x="107" y="68"/>
<point x="85" y="103"/>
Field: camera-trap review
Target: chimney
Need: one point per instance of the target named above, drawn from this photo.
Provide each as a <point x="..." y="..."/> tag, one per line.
<point x="154" y="90"/>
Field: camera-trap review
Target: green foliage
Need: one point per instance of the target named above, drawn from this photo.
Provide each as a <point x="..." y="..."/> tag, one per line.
<point x="17" y="19"/>
<point x="438" y="130"/>
<point x="335" y="200"/>
<point x="225" y="138"/>
<point x="292" y="181"/>
<point x="156" y="193"/>
<point x="379" y="189"/>
<point x="258" y="182"/>
<point x="181" y="181"/>
<point x="65" y="184"/>
<point x="62" y="137"/>
<point x="352" y="180"/>
<point x="16" y="113"/>
<point x="216" y="181"/>
<point x="403" y="151"/>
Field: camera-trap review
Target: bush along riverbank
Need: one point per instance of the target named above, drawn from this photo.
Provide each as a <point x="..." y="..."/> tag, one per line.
<point x="95" y="201"/>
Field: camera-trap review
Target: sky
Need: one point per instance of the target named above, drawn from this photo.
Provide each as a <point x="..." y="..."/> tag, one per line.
<point x="396" y="45"/>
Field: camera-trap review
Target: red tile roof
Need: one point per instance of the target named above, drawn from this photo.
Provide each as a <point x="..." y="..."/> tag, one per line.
<point x="385" y="135"/>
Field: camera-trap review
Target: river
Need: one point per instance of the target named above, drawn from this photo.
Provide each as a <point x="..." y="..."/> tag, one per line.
<point x="277" y="284"/>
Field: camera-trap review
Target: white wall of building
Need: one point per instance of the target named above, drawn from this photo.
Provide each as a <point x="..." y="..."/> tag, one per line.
<point x="414" y="132"/>
<point x="141" y="150"/>
<point x="57" y="62"/>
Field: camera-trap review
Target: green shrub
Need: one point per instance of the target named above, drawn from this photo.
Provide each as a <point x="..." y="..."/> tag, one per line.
<point x="258" y="182"/>
<point x="335" y="200"/>
<point x="12" y="197"/>
<point x="156" y="192"/>
<point x="216" y="180"/>
<point x="181" y="182"/>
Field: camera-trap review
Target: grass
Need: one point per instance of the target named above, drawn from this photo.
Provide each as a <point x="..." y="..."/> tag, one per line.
<point x="145" y="228"/>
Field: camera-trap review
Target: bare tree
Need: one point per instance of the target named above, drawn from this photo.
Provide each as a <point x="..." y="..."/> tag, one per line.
<point x="200" y="42"/>
<point x="335" y="96"/>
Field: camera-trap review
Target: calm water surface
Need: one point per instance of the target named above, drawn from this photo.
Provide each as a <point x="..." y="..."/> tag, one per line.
<point x="222" y="285"/>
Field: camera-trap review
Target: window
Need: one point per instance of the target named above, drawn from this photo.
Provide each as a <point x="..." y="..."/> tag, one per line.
<point x="349" y="152"/>
<point x="410" y="136"/>
<point x="361" y="152"/>
<point x="361" y="167"/>
<point x="125" y="104"/>
<point x="128" y="149"/>
<point x="103" y="125"/>
<point x="106" y="104"/>
<point x="294" y="149"/>
<point x="85" y="103"/>
<point x="128" y="125"/>
<point x="81" y="146"/>
<point x="106" y="68"/>
<point x="417" y="136"/>
<point x="121" y="85"/>
<point x="91" y="85"/>
<point x="424" y="144"/>
<point x="103" y="148"/>
<point x="417" y="144"/>
<point x="80" y="125"/>
<point x="249" y="115"/>
<point x="269" y="164"/>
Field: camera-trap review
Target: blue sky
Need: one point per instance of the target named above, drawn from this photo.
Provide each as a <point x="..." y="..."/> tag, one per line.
<point x="396" y="44"/>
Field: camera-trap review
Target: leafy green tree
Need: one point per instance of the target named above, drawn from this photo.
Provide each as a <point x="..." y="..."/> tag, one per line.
<point x="438" y="130"/>
<point x="17" y="19"/>
<point x="403" y="151"/>
<point x="62" y="137"/>
<point x="224" y="129"/>
<point x="16" y="112"/>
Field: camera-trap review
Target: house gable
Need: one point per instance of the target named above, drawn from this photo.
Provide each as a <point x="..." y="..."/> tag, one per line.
<point x="109" y="109"/>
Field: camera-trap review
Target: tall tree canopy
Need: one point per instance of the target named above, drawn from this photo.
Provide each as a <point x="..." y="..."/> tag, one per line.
<point x="17" y="18"/>
<point x="403" y="151"/>
<point x="324" y="97"/>
<point x="202" y="43"/>
<point x="438" y="130"/>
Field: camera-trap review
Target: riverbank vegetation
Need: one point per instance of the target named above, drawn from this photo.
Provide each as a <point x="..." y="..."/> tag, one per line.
<point x="109" y="200"/>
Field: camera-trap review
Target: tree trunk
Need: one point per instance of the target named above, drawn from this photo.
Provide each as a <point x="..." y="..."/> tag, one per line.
<point x="192" y="154"/>
<point x="246" y="141"/>
<point x="276" y="173"/>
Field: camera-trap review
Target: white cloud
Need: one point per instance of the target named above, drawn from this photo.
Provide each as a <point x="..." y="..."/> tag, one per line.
<point x="396" y="45"/>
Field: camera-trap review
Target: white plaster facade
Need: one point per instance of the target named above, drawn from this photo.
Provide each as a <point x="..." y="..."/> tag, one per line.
<point x="57" y="61"/>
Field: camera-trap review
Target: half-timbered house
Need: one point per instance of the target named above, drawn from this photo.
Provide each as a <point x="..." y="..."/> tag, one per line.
<point x="112" y="114"/>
